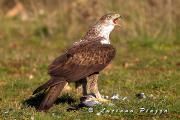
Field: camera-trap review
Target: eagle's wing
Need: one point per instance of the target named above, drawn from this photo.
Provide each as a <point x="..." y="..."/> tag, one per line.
<point x="61" y="60"/>
<point x="82" y="60"/>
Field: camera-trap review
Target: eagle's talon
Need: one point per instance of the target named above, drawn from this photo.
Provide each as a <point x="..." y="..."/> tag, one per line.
<point x="104" y="100"/>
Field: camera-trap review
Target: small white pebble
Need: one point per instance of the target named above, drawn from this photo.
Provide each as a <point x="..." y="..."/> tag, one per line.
<point x="106" y="97"/>
<point x="115" y="97"/>
<point x="6" y="112"/>
<point x="98" y="113"/>
<point x="107" y="111"/>
<point x="141" y="95"/>
<point x="90" y="109"/>
<point x="124" y="98"/>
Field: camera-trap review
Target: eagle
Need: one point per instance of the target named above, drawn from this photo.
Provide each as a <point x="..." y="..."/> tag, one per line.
<point x="82" y="62"/>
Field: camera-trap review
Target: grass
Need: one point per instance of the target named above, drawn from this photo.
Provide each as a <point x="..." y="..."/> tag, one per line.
<point x="142" y="64"/>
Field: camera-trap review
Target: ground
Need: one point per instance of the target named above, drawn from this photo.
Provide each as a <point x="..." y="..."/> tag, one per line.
<point x="142" y="64"/>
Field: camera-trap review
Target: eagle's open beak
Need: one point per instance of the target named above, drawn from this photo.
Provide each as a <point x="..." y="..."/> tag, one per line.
<point x="117" y="21"/>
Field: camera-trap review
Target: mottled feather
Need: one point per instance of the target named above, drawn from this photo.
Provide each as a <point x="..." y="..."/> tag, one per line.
<point x="82" y="60"/>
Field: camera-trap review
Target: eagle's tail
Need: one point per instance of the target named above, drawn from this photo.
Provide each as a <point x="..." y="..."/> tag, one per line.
<point x="51" y="96"/>
<point x="48" y="84"/>
<point x="43" y="87"/>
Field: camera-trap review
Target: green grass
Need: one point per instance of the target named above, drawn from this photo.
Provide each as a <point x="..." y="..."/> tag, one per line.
<point x="142" y="64"/>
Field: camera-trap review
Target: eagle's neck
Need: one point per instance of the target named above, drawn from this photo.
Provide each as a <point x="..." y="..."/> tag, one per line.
<point x="105" y="32"/>
<point x="99" y="30"/>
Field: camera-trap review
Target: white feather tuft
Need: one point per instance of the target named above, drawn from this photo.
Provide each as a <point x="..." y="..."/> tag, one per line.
<point x="105" y="41"/>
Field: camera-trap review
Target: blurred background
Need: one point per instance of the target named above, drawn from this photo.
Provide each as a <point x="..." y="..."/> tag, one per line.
<point x="34" y="32"/>
<point x="71" y="18"/>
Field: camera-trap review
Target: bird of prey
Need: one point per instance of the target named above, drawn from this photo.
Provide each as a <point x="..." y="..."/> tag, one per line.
<point x="82" y="62"/>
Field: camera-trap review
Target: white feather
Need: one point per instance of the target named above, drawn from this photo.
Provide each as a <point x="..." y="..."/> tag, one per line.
<point x="105" y="41"/>
<point x="105" y="32"/>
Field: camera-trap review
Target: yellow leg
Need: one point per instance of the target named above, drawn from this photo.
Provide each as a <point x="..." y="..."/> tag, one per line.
<point x="101" y="100"/>
<point x="92" y="87"/>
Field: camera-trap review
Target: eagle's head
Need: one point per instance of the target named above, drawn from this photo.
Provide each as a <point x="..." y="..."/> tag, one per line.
<point x="106" y="24"/>
<point x="110" y="19"/>
<point x="103" y="27"/>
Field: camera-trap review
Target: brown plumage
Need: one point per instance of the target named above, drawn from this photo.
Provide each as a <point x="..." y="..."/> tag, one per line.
<point x="84" y="59"/>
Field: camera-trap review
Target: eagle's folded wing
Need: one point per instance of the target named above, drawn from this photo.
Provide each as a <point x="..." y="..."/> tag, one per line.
<point x="82" y="60"/>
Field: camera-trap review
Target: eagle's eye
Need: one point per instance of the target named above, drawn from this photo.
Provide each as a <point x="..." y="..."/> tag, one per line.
<point x="109" y="17"/>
